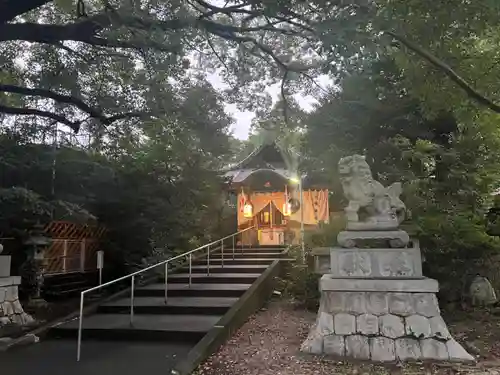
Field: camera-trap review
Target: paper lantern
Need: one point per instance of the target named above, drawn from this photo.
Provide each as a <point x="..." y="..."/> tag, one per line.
<point x="247" y="210"/>
<point x="287" y="209"/>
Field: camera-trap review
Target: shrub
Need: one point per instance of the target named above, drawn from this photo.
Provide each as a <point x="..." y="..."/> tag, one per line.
<point x="455" y="248"/>
<point x="326" y="234"/>
<point x="299" y="282"/>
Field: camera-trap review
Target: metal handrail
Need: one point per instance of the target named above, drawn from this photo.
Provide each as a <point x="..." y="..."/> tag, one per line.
<point x="165" y="262"/>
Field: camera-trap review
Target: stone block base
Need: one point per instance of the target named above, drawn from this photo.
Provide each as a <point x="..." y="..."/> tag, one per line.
<point x="395" y="323"/>
<point x="11" y="310"/>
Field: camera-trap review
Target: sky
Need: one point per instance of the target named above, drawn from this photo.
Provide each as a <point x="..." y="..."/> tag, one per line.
<point x="243" y="119"/>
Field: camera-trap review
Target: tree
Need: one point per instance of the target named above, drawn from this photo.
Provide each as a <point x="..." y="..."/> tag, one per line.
<point x="447" y="163"/>
<point x="156" y="191"/>
<point x="94" y="67"/>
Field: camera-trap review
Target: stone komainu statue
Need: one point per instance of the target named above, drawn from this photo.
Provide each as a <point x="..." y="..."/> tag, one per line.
<point x="371" y="205"/>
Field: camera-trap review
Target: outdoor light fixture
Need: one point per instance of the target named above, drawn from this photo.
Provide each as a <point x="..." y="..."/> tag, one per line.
<point x="287" y="206"/>
<point x="287" y="209"/>
<point x="247" y="210"/>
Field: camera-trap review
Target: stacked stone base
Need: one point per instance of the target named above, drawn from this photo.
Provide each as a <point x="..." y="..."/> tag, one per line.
<point x="382" y="320"/>
<point x="11" y="310"/>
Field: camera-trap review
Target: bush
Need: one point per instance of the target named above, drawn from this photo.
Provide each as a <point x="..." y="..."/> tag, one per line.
<point x="455" y="248"/>
<point x="299" y="282"/>
<point x="326" y="234"/>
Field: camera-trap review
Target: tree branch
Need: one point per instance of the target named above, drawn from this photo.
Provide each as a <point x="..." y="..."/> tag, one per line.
<point x="78" y="103"/>
<point x="283" y="96"/>
<point x="89" y="30"/>
<point x="75" y="125"/>
<point x="216" y="53"/>
<point x="471" y="92"/>
<point x="128" y="115"/>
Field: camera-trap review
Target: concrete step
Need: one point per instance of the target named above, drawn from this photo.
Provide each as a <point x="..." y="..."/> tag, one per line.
<point x="217" y="260"/>
<point x="174" y="305"/>
<point x="147" y="327"/>
<point x="215" y="277"/>
<point x="195" y="290"/>
<point x="62" y="286"/>
<point x="248" y="268"/>
<point x="238" y="255"/>
<point x="255" y="249"/>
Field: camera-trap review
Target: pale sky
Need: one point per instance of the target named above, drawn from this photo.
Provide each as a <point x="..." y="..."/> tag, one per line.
<point x="243" y="119"/>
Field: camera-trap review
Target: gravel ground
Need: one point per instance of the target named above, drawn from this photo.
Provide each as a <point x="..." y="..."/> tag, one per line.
<point x="269" y="344"/>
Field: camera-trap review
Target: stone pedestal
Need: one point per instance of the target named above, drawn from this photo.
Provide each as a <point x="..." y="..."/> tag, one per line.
<point x="376" y="305"/>
<point x="11" y="310"/>
<point x="5" y="261"/>
<point x="382" y="321"/>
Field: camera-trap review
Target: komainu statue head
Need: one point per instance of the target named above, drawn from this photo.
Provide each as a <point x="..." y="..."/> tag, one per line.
<point x="380" y="206"/>
<point x="355" y="166"/>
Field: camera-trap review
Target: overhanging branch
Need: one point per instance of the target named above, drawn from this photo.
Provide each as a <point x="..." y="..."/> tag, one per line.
<point x="471" y="92"/>
<point x="70" y="100"/>
<point x="90" y="30"/>
<point x="74" y="125"/>
<point x="80" y="104"/>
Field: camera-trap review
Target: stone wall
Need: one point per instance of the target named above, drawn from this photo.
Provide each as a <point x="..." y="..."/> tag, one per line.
<point x="11" y="310"/>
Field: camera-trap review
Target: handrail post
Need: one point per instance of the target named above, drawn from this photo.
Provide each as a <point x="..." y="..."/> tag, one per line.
<point x="166" y="282"/>
<point x="222" y="251"/>
<point x="65" y="254"/>
<point x="208" y="260"/>
<point x="132" y="292"/>
<point x="233" y="245"/>
<point x="79" y="345"/>
<point x="190" y="268"/>
<point x="82" y="256"/>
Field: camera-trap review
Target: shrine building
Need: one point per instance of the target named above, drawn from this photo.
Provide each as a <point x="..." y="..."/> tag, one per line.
<point x="267" y="188"/>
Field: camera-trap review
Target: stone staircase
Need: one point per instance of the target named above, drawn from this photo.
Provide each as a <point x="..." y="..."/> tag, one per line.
<point x="191" y="310"/>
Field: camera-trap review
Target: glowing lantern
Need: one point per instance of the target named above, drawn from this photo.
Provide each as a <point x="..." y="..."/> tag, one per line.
<point x="247" y="210"/>
<point x="287" y="209"/>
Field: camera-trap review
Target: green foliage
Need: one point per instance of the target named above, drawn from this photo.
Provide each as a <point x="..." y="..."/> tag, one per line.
<point x="299" y="282"/>
<point x="131" y="56"/>
<point x="448" y="163"/>
<point x="455" y="249"/>
<point x="21" y="209"/>
<point x="155" y="189"/>
<point x="326" y="234"/>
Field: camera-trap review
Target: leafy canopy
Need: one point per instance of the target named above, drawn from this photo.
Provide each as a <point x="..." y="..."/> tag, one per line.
<point x="94" y="63"/>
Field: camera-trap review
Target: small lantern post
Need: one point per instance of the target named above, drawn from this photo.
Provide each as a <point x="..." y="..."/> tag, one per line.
<point x="36" y="244"/>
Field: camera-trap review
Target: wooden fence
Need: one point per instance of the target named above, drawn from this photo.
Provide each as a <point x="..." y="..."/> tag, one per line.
<point x="73" y="248"/>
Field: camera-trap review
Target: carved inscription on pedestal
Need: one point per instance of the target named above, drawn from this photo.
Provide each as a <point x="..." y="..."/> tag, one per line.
<point x="396" y="264"/>
<point x="355" y="263"/>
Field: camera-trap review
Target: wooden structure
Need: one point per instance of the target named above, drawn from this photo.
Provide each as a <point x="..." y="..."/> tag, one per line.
<point x="73" y="249"/>
<point x="266" y="186"/>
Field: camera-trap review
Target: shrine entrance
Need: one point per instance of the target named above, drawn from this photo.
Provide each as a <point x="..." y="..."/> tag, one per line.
<point x="271" y="225"/>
